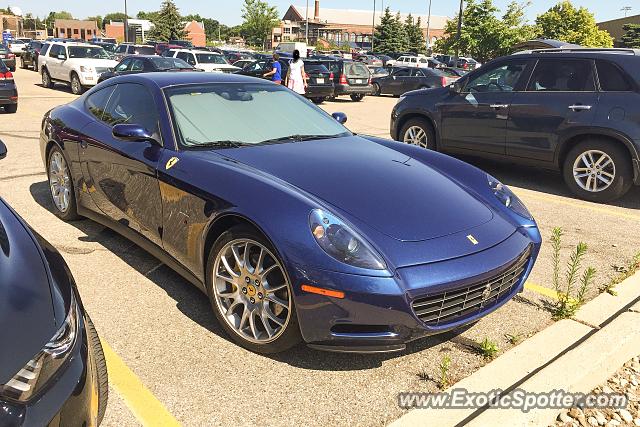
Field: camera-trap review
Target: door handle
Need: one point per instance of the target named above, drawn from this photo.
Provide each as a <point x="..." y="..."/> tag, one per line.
<point x="579" y="107"/>
<point x="497" y="106"/>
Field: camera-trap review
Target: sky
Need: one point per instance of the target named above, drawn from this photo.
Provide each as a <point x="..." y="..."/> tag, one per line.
<point x="229" y="11"/>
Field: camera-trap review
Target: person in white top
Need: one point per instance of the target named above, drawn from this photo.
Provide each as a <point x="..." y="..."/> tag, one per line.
<point x="296" y="77"/>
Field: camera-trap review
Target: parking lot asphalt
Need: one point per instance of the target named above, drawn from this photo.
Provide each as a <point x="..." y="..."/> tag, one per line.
<point x="164" y="337"/>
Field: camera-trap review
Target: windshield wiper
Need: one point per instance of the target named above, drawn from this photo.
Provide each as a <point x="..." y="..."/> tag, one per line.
<point x="216" y="144"/>
<point x="299" y="138"/>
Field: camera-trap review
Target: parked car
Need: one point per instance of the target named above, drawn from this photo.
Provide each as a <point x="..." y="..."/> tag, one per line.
<point x="204" y="60"/>
<point x="51" y="362"/>
<point x="108" y="47"/>
<point x="452" y="74"/>
<point x="8" y="57"/>
<point x="385" y="59"/>
<point x="77" y="64"/>
<point x="16" y="46"/>
<point x="8" y="90"/>
<point x="133" y="49"/>
<point x="416" y="61"/>
<point x="146" y="64"/>
<point x="342" y="54"/>
<point x="273" y="222"/>
<point x="569" y="110"/>
<point x="243" y="63"/>
<point x="29" y="58"/>
<point x="380" y="72"/>
<point x="350" y="78"/>
<point x="402" y="80"/>
<point x="163" y="48"/>
<point x="319" y="80"/>
<point x="233" y="57"/>
<point x="467" y="64"/>
<point x="370" y="60"/>
<point x="182" y="43"/>
<point x="448" y="60"/>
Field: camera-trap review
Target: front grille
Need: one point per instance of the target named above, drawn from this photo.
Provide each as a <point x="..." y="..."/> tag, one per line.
<point x="451" y="306"/>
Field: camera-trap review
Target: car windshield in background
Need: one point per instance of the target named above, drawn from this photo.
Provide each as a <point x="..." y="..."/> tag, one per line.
<point x="215" y="115"/>
<point x="210" y="58"/>
<point x="95" y="52"/>
<point x="170" y="63"/>
<point x="355" y="69"/>
<point x="145" y="50"/>
<point x="315" y="68"/>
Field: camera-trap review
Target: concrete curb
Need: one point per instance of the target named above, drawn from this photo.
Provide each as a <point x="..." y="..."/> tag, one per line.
<point x="572" y="355"/>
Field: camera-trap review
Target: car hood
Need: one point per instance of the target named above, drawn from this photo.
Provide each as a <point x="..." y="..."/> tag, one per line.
<point x="26" y="308"/>
<point x="217" y="67"/>
<point x="94" y="62"/>
<point x="390" y="192"/>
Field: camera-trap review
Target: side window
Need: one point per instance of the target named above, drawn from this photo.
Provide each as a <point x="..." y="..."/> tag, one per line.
<point x="414" y="60"/>
<point x="502" y="78"/>
<point x="96" y="103"/>
<point x="138" y="65"/>
<point x="417" y="72"/>
<point x="402" y="73"/>
<point x="182" y="55"/>
<point x="191" y="59"/>
<point x="124" y="65"/>
<point x="122" y="48"/>
<point x="44" y="48"/>
<point x="612" y="78"/>
<point x="133" y="104"/>
<point x="562" y="76"/>
<point x="54" y="51"/>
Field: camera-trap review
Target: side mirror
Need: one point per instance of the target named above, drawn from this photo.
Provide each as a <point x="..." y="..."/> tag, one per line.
<point x="340" y="117"/>
<point x="63" y="57"/>
<point x="3" y="150"/>
<point x="127" y="132"/>
<point x="456" y="86"/>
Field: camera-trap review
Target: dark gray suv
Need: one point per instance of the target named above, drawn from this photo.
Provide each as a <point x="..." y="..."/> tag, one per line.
<point x="573" y="110"/>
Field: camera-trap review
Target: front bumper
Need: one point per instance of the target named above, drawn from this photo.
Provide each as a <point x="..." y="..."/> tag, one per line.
<point x="377" y="315"/>
<point x="68" y="399"/>
<point x="348" y="90"/>
<point x="8" y="94"/>
<point x="88" y="79"/>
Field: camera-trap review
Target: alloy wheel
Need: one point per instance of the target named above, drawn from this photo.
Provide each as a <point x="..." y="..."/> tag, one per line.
<point x="594" y="171"/>
<point x="46" y="82"/>
<point x="251" y="291"/>
<point x="59" y="181"/>
<point x="417" y="136"/>
<point x="76" y="87"/>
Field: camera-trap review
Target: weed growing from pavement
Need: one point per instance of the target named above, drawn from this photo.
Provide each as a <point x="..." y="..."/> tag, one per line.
<point x="488" y="349"/>
<point x="513" y="339"/>
<point x="445" y="364"/>
<point x="570" y="296"/>
<point x="624" y="272"/>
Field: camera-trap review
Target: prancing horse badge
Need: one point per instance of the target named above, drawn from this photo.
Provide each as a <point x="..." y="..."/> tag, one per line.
<point x="171" y="163"/>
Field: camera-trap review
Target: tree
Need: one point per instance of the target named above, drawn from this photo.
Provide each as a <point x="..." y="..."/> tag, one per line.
<point x="51" y="18"/>
<point x="390" y="36"/>
<point x="168" y="24"/>
<point x="259" y="20"/>
<point x="564" y="22"/>
<point x="631" y="37"/>
<point x="98" y="19"/>
<point x="114" y="16"/>
<point x="415" y="37"/>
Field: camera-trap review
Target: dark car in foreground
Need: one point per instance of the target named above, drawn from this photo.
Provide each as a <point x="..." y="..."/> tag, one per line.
<point x="8" y="90"/>
<point x="29" y="58"/>
<point x="406" y="79"/>
<point x="295" y="228"/>
<point x="146" y="64"/>
<point x="568" y="110"/>
<point x="8" y="57"/>
<point x="52" y="368"/>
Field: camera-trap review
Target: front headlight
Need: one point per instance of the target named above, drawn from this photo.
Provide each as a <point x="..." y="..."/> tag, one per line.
<point x="507" y="198"/>
<point x="85" y="69"/>
<point x="46" y="363"/>
<point x="342" y="243"/>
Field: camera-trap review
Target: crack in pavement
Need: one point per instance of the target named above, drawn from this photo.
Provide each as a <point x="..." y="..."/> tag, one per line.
<point x="23" y="175"/>
<point x="13" y="135"/>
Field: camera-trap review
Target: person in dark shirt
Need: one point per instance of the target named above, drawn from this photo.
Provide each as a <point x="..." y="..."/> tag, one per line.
<point x="276" y="72"/>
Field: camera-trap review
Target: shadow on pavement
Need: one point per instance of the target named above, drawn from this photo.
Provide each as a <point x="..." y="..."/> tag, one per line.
<point x="58" y="87"/>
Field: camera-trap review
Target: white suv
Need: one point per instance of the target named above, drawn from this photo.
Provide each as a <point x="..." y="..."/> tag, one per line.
<point x="76" y="64"/>
<point x="412" y="61"/>
<point x="203" y="59"/>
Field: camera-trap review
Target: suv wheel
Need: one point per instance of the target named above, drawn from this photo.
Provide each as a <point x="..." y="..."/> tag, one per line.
<point x="377" y="91"/>
<point x="22" y="63"/>
<point x="598" y="170"/>
<point x="418" y="132"/>
<point x="46" y="79"/>
<point x="357" y="97"/>
<point x="76" y="86"/>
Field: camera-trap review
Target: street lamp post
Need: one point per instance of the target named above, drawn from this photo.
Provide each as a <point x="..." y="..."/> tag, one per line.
<point x="373" y="25"/>
<point x="429" y="28"/>
<point x="306" y="31"/>
<point x="459" y="37"/>
<point x="126" y="22"/>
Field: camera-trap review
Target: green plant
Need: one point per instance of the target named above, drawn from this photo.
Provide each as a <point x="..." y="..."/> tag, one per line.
<point x="445" y="364"/>
<point x="488" y="349"/>
<point x="569" y="299"/>
<point x="624" y="272"/>
<point x="513" y="339"/>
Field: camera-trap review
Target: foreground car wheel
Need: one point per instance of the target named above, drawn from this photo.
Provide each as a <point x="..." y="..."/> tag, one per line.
<point x="61" y="186"/>
<point x="251" y="293"/>
<point x="102" y="379"/>
<point x="598" y="171"/>
<point x="418" y="132"/>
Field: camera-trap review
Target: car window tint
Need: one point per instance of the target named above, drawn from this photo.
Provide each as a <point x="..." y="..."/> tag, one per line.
<point x="612" y="78"/>
<point x="54" y="51"/>
<point x="402" y="73"/>
<point x="132" y="104"/>
<point x="122" y="48"/>
<point x="418" y="73"/>
<point x="96" y="103"/>
<point x="502" y="78"/>
<point x="124" y="65"/>
<point x="562" y="76"/>
<point x="137" y="65"/>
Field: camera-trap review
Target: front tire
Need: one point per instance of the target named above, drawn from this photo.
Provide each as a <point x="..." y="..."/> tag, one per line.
<point x="61" y="186"/>
<point x="46" y="79"/>
<point x="418" y="132"/>
<point x="102" y="377"/>
<point x="250" y="292"/>
<point x="76" y="86"/>
<point x="598" y="170"/>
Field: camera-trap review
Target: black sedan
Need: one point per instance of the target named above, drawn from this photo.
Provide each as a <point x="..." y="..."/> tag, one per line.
<point x="8" y="57"/>
<point x="29" y="58"/>
<point x="52" y="368"/>
<point x="146" y="64"/>
<point x="8" y="90"/>
<point x="402" y="80"/>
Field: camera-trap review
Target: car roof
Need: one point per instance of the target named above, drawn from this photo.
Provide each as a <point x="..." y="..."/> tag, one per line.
<point x="77" y="44"/>
<point x="578" y="53"/>
<point x="163" y="80"/>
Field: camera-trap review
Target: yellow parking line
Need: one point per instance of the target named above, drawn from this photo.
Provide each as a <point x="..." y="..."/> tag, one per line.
<point x="541" y="290"/>
<point x="144" y="405"/>
<point x="601" y="209"/>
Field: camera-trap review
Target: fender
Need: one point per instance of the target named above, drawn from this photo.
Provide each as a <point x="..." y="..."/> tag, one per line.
<point x="406" y="115"/>
<point x="608" y="132"/>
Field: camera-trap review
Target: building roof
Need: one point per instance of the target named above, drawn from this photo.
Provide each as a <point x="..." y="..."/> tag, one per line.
<point x="74" y="22"/>
<point x="362" y="17"/>
<point x="614" y="27"/>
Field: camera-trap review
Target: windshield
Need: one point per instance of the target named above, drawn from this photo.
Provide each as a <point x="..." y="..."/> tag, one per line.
<point x="210" y="58"/>
<point x="170" y="63"/>
<point x="206" y="114"/>
<point x="87" y="52"/>
<point x="108" y="47"/>
<point x="356" y="69"/>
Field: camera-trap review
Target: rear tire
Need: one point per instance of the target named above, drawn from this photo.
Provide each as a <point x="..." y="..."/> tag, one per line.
<point x="102" y="376"/>
<point x="357" y="97"/>
<point x="377" y="90"/>
<point x="11" y="108"/>
<point x="598" y="170"/>
<point x="69" y="210"/>
<point x="418" y="132"/>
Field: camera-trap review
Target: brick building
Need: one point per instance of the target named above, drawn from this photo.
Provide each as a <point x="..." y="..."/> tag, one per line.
<point x="75" y="29"/>
<point x="341" y="26"/>
<point x="11" y="23"/>
<point x="195" y="33"/>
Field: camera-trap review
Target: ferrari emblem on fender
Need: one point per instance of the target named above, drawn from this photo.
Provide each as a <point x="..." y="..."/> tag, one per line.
<point x="171" y="163"/>
<point x="472" y="239"/>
